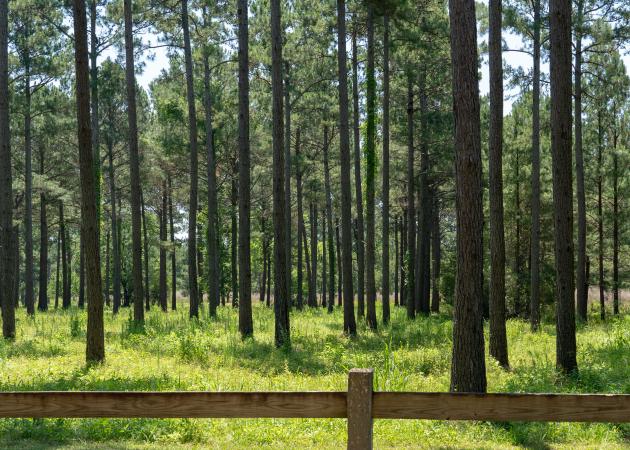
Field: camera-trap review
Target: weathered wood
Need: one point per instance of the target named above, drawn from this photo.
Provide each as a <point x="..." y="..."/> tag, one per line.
<point x="503" y="407"/>
<point x="360" y="382"/>
<point x="174" y="404"/>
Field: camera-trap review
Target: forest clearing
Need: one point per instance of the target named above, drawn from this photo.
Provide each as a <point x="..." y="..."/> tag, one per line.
<point x="176" y="354"/>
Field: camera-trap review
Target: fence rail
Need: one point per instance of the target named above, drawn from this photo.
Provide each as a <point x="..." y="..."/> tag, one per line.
<point x="360" y="405"/>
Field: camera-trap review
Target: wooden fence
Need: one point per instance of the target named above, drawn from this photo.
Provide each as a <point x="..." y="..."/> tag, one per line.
<point x="360" y="405"/>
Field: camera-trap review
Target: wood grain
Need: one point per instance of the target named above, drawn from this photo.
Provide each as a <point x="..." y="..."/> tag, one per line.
<point x="502" y="407"/>
<point x="174" y="404"/>
<point x="360" y="418"/>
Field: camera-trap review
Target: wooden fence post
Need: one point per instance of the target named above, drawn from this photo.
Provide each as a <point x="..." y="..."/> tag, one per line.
<point x="360" y="388"/>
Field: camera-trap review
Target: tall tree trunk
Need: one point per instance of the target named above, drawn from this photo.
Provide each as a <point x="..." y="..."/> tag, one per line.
<point x="385" y="186"/>
<point x="94" y="108"/>
<point x="214" y="288"/>
<point x="307" y="259"/>
<point x="329" y="224"/>
<point x="360" y="241"/>
<point x="145" y="259"/>
<point x="269" y="270"/>
<point x="560" y="70"/>
<point x="173" y="252"/>
<point x="324" y="258"/>
<point x="423" y="263"/>
<point x="7" y="256"/>
<point x="29" y="289"/>
<point x="58" y="270"/>
<point x="370" y="176"/>
<point x="107" y="269"/>
<point x="65" y="253"/>
<point x="312" y="285"/>
<point x="403" y="253"/>
<point x="518" y="310"/>
<point x="534" y="265"/>
<point x="193" y="293"/>
<point x="42" y="303"/>
<point x="263" y="279"/>
<point x="396" y="261"/>
<point x="280" y="251"/>
<point x="339" y="269"/>
<point x="163" y="237"/>
<point x="582" y="292"/>
<point x="468" y="370"/>
<point x="134" y="170"/>
<point x="234" y="240"/>
<point x="81" y="270"/>
<point x="349" y="323"/>
<point x="246" y="326"/>
<point x="498" y="335"/>
<point x="95" y="339"/>
<point x="600" y="216"/>
<point x="615" y="284"/>
<point x="437" y="254"/>
<point x="300" y="222"/>
<point x="115" y="229"/>
<point x="410" y="249"/>
<point x="287" y="182"/>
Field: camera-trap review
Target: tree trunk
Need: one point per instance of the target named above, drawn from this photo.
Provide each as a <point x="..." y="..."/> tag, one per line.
<point x="263" y="279"/>
<point x="396" y="261"/>
<point x="214" y="288"/>
<point x="300" y="222"/>
<point x="403" y="252"/>
<point x="615" y="285"/>
<point x="339" y="269"/>
<point x="95" y="345"/>
<point x="582" y="293"/>
<point x="468" y="370"/>
<point x="145" y="259"/>
<point x="173" y="252"/>
<point x="134" y="170"/>
<point x="534" y="265"/>
<point x="107" y="269"/>
<point x="58" y="270"/>
<point x="94" y="107"/>
<point x="65" y="253"/>
<point x="269" y="270"/>
<point x="324" y="268"/>
<point x="280" y="250"/>
<point x="600" y="216"/>
<point x="287" y="182"/>
<point x="498" y="336"/>
<point x="410" y="249"/>
<point x="329" y="224"/>
<point x="246" y="326"/>
<point x="29" y="295"/>
<point x="423" y="265"/>
<point x="42" y="303"/>
<point x="81" y="271"/>
<point x="437" y="254"/>
<point x="234" y="241"/>
<point x="307" y="259"/>
<point x="370" y="176"/>
<point x="385" y="187"/>
<point x="360" y="241"/>
<point x="518" y="310"/>
<point x="193" y="293"/>
<point x="163" y="238"/>
<point x="7" y="256"/>
<point x="115" y="229"/>
<point x="560" y="70"/>
<point x="312" y="285"/>
<point x="349" y="323"/>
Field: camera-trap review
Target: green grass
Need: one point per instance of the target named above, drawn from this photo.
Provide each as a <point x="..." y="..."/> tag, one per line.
<point x="174" y="353"/>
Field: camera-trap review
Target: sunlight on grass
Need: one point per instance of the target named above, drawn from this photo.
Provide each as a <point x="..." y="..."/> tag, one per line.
<point x="175" y="353"/>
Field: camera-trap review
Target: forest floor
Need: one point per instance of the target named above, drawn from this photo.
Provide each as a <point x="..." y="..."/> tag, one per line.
<point x="174" y="353"/>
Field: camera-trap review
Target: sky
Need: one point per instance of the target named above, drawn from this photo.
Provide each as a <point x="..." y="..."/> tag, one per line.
<point x="159" y="62"/>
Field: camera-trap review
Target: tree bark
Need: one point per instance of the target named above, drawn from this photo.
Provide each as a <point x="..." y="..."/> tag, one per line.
<point x="58" y="270"/>
<point x="468" y="371"/>
<point x="193" y="289"/>
<point x="600" y="217"/>
<point x="287" y="182"/>
<point x="329" y="225"/>
<point x="300" y="222"/>
<point x="385" y="186"/>
<point x="360" y="241"/>
<point x="65" y="253"/>
<point x="115" y="233"/>
<point x="396" y="261"/>
<point x="145" y="259"/>
<point x="410" y="248"/>
<point x="560" y="70"/>
<point x="8" y="275"/>
<point x="246" y="325"/>
<point x="312" y="285"/>
<point x="534" y="266"/>
<point x="582" y="293"/>
<point x="234" y="240"/>
<point x="81" y="271"/>
<point x="95" y="340"/>
<point x="29" y="295"/>
<point x="42" y="303"/>
<point x="370" y="176"/>
<point x="94" y="108"/>
<point x="498" y="335"/>
<point x="615" y="285"/>
<point x="163" y="224"/>
<point x="437" y="254"/>
<point x="280" y="250"/>
<point x="339" y="269"/>
<point x="423" y="262"/>
<point x="173" y="255"/>
<point x="134" y="170"/>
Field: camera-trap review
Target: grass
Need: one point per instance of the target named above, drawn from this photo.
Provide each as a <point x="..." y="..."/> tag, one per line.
<point x="175" y="353"/>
